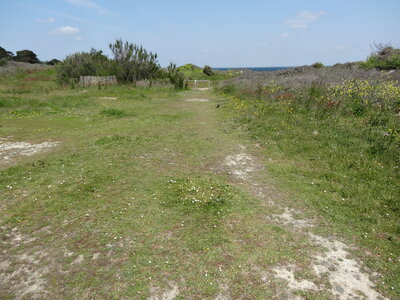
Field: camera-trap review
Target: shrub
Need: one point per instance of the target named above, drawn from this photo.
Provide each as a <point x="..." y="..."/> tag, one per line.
<point x="176" y="77"/>
<point x="208" y="70"/>
<point x="317" y="65"/>
<point x="385" y="57"/>
<point x="133" y="62"/>
<point x="3" y="62"/>
<point x="93" y="63"/>
<point x="5" y="55"/>
<point x="27" y="56"/>
<point x="53" y="62"/>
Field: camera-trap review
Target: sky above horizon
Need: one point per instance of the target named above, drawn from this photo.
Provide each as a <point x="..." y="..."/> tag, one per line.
<point x="235" y="33"/>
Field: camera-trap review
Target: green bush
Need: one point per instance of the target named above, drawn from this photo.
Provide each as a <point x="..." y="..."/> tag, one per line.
<point x="176" y="77"/>
<point x="93" y="63"/>
<point x="384" y="58"/>
<point x="53" y="62"/>
<point x="27" y="56"/>
<point x="133" y="62"/>
<point x="3" y="62"/>
<point x="317" y="65"/>
<point x="4" y="54"/>
<point x="208" y="70"/>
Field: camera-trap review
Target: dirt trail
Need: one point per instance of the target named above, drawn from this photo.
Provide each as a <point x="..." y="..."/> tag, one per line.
<point x="346" y="275"/>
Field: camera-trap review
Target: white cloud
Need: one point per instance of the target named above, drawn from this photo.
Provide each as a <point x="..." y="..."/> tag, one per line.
<point x="285" y="35"/>
<point x="341" y="47"/>
<point x="303" y="19"/>
<point x="78" y="38"/>
<point x="48" y="20"/>
<point x="65" y="30"/>
<point x="89" y="5"/>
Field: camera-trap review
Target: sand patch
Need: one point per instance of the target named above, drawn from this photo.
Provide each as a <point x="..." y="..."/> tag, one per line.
<point x="345" y="274"/>
<point x="10" y="150"/>
<point x="287" y="274"/>
<point x="288" y="218"/>
<point x="169" y="293"/>
<point x="240" y="165"/>
<point x="108" y="98"/>
<point x="197" y="100"/>
<point x="22" y="275"/>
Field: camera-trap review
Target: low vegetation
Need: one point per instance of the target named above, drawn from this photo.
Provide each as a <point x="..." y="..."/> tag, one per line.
<point x="131" y="196"/>
<point x="335" y="133"/>
<point x="141" y="191"/>
<point x="385" y="57"/>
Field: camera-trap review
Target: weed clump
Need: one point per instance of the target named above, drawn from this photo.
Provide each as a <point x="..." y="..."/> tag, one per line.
<point x="113" y="113"/>
<point x="113" y="140"/>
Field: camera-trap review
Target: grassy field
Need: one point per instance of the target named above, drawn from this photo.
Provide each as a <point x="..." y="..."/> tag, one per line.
<point x="142" y="198"/>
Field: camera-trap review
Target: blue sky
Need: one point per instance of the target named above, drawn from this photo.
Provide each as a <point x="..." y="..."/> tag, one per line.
<point x="241" y="33"/>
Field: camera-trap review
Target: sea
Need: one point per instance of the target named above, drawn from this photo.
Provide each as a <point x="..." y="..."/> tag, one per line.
<point x="257" y="69"/>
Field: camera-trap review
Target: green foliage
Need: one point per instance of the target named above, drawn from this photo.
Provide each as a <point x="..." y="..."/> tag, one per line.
<point x="133" y="62"/>
<point x="113" y="113"/>
<point x="384" y="58"/>
<point x="191" y="72"/>
<point x="93" y="63"/>
<point x="317" y="65"/>
<point x="53" y="62"/>
<point x="176" y="77"/>
<point x="130" y="64"/>
<point x="27" y="56"/>
<point x="208" y="70"/>
<point x="5" y="55"/>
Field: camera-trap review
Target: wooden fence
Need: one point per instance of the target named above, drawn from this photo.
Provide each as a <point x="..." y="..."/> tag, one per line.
<point x="97" y="80"/>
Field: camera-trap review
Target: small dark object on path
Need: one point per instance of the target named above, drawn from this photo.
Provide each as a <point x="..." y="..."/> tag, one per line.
<point x="217" y="105"/>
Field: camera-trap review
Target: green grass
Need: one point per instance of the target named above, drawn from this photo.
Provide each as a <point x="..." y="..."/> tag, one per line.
<point x="335" y="165"/>
<point x="139" y="183"/>
<point x="121" y="186"/>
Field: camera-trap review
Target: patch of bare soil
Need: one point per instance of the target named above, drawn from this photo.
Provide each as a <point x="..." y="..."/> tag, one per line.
<point x="240" y="165"/>
<point x="9" y="151"/>
<point x="22" y="274"/>
<point x="197" y="100"/>
<point x="346" y="276"/>
<point x="164" y="294"/>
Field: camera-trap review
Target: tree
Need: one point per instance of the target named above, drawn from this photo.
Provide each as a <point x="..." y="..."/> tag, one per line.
<point x="133" y="62"/>
<point x="53" y="62"/>
<point x="208" y="70"/>
<point x="4" y="54"/>
<point x="27" y="56"/>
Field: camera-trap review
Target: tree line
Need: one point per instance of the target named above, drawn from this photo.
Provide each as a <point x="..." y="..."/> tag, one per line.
<point x="27" y="56"/>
